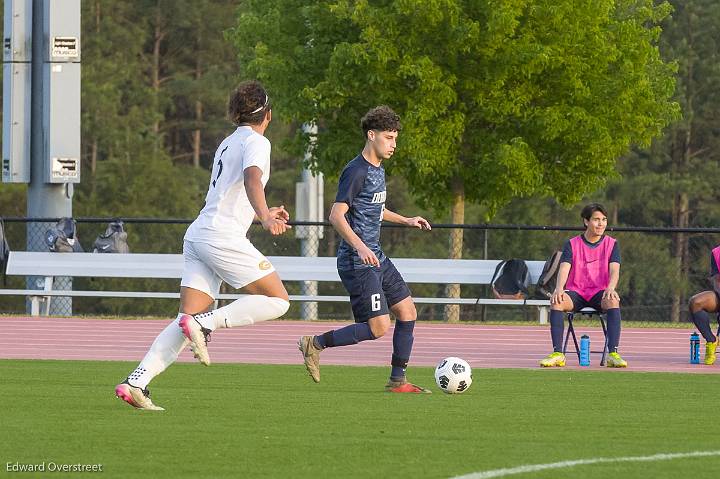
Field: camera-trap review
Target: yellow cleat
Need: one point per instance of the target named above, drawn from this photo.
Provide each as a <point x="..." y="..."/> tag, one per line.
<point x="615" y="361"/>
<point x="555" y="359"/>
<point x="710" y="352"/>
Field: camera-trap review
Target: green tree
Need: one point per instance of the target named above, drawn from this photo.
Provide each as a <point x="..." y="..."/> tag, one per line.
<point x="192" y="70"/>
<point x="114" y="97"/>
<point x="667" y="184"/>
<point x="126" y="112"/>
<point x="499" y="99"/>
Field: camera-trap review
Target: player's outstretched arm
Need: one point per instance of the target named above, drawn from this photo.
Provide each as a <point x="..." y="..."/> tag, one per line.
<point x="337" y="219"/>
<point x="273" y="219"/>
<point x="415" y="221"/>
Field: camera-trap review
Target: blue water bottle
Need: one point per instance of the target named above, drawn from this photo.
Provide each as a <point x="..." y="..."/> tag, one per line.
<point x="695" y="348"/>
<point x="584" y="350"/>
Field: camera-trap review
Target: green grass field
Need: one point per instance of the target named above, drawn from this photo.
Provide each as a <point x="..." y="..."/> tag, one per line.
<point x="272" y="421"/>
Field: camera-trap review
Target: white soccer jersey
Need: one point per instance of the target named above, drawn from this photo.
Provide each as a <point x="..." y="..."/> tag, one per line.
<point x="228" y="214"/>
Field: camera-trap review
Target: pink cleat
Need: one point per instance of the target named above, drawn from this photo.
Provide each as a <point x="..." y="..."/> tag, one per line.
<point x="136" y="397"/>
<point x="198" y="336"/>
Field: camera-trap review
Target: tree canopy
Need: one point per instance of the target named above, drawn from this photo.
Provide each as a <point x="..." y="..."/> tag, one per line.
<point x="499" y="99"/>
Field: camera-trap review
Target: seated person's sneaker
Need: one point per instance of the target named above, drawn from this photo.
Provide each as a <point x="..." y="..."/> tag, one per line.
<point x="710" y="352"/>
<point x="555" y="359"/>
<point x="615" y="361"/>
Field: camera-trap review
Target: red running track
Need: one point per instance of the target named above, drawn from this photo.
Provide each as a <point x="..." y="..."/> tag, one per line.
<point x="274" y="342"/>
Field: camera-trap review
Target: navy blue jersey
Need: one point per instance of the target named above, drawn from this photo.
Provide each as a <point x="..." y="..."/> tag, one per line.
<point x="713" y="266"/>
<point x="567" y="255"/>
<point x="362" y="188"/>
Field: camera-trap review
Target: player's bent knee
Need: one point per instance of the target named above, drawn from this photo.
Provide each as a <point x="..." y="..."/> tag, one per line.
<point x="379" y="325"/>
<point x="612" y="304"/>
<point x="379" y="331"/>
<point x="694" y="305"/>
<point x="701" y="302"/>
<point x="408" y="315"/>
<point x="278" y="306"/>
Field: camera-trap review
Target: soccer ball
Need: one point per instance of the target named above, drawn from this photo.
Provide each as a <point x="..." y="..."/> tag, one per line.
<point x="453" y="375"/>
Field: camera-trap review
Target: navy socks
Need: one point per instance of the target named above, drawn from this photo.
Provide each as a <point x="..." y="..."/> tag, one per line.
<point x="557" y="326"/>
<point x="402" y="347"/>
<point x="702" y="322"/>
<point x="402" y="342"/>
<point x="351" y="334"/>
<point x="613" y="329"/>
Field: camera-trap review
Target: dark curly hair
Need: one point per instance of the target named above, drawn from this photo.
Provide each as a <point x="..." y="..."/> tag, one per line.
<point x="248" y="103"/>
<point x="380" y="118"/>
<point x="588" y="211"/>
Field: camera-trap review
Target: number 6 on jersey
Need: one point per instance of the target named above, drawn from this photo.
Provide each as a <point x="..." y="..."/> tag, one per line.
<point x="375" y="302"/>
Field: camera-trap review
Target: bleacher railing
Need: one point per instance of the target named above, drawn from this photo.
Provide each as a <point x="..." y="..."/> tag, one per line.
<point x="661" y="267"/>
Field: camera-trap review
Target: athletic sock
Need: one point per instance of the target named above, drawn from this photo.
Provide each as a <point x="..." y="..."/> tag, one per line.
<point x="613" y="329"/>
<point x="351" y="334"/>
<point x="163" y="352"/>
<point x="402" y="347"/>
<point x="557" y="327"/>
<point x="702" y="322"/>
<point x="247" y="310"/>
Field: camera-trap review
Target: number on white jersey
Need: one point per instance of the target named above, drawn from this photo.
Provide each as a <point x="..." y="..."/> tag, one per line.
<point x="219" y="167"/>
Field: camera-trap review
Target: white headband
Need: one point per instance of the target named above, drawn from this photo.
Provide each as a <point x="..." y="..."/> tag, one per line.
<point x="256" y="110"/>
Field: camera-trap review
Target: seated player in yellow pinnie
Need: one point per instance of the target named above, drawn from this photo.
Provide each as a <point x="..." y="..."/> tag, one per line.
<point x="708" y="302"/>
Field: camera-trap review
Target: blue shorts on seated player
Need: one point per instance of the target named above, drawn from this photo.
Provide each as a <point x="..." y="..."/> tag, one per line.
<point x="580" y="303"/>
<point x="707" y="302"/>
<point x="588" y="274"/>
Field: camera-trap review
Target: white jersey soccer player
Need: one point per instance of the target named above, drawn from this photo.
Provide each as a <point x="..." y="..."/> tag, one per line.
<point x="216" y="249"/>
<point x="218" y="235"/>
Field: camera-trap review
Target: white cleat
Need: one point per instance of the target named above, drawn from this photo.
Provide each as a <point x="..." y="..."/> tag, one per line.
<point x="136" y="397"/>
<point x="198" y="337"/>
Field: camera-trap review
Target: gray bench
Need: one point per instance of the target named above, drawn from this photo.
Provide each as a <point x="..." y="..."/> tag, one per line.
<point x="290" y="268"/>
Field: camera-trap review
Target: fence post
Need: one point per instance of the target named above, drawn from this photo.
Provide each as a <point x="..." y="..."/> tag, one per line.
<point x="309" y="199"/>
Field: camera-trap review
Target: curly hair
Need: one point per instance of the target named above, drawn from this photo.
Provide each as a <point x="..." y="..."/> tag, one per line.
<point x="380" y="118"/>
<point x="588" y="211"/>
<point x="248" y="103"/>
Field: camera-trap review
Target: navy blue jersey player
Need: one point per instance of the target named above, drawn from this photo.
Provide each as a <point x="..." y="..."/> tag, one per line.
<point x="376" y="288"/>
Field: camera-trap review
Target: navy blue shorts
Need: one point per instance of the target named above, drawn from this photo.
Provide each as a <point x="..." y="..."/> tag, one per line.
<point x="374" y="290"/>
<point x="579" y="302"/>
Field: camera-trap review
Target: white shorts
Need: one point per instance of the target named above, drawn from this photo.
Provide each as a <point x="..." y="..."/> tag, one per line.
<point x="207" y="266"/>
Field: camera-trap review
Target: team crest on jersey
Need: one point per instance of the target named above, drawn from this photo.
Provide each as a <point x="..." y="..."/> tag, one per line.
<point x="264" y="265"/>
<point x="378" y="197"/>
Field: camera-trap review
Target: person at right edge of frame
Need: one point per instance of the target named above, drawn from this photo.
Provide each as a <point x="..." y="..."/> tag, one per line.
<point x="376" y="288"/>
<point x="587" y="277"/>
<point x="708" y="302"/>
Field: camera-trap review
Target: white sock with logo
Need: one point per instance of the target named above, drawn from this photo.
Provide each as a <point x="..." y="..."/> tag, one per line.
<point x="164" y="351"/>
<point x="247" y="310"/>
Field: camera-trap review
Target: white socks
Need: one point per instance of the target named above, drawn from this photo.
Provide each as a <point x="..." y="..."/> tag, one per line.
<point x="164" y="351"/>
<point x="241" y="312"/>
<point x="171" y="341"/>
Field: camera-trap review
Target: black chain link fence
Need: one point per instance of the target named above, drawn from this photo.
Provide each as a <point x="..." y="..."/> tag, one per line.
<point x="661" y="267"/>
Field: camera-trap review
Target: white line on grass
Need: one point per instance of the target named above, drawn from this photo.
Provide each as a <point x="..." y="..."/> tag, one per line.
<point x="582" y="462"/>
